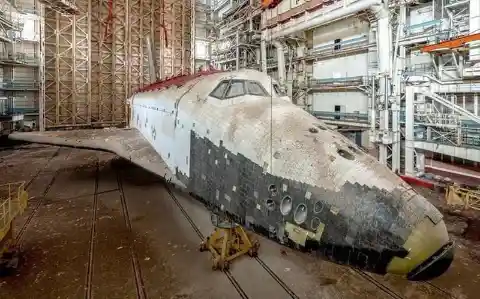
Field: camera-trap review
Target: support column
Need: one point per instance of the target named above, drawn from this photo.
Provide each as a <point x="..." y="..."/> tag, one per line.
<point x="474" y="25"/>
<point x="263" y="55"/>
<point x="409" y="134"/>
<point x="237" y="51"/>
<point x="420" y="161"/>
<point x="384" y="45"/>
<point x="41" y="69"/>
<point x="281" y="62"/>
<point x="475" y="104"/>
<point x="373" y="111"/>
<point x="399" y="62"/>
<point x="151" y="59"/>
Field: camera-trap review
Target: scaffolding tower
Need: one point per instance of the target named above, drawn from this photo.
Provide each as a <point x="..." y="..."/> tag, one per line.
<point x="236" y="40"/>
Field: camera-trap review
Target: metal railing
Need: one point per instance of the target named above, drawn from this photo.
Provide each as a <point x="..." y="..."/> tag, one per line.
<point x="13" y="201"/>
<point x="335" y="83"/>
<point x="341" y="116"/>
<point x="343" y="44"/>
<point x="19" y="85"/>
<point x="466" y="137"/>
<point x="17" y="105"/>
<point x="420" y="69"/>
<point x="19" y="58"/>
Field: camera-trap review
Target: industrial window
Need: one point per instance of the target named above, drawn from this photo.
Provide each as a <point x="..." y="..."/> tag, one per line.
<point x="254" y="88"/>
<point x="219" y="91"/>
<point x="337" y="110"/>
<point x="235" y="89"/>
<point x="337" y="44"/>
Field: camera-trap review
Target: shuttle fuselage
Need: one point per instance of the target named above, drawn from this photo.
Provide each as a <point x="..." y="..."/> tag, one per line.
<point x="235" y="141"/>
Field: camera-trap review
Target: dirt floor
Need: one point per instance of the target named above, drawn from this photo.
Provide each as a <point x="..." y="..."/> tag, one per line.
<point x="99" y="227"/>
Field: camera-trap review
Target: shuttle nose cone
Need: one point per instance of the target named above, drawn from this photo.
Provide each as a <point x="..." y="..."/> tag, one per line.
<point x="434" y="266"/>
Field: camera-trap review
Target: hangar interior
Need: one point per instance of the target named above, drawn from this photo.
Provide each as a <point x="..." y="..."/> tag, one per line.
<point x="400" y="81"/>
<point x="407" y="91"/>
<point x="400" y="78"/>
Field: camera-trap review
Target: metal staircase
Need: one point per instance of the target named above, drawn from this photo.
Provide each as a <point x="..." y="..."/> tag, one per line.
<point x="461" y="111"/>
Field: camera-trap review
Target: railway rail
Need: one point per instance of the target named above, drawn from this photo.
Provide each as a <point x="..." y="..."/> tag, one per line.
<point x="139" y="282"/>
<point x="227" y="272"/>
<point x="93" y="233"/>
<point x="19" y="237"/>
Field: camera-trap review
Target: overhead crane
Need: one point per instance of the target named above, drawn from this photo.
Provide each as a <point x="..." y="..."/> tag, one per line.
<point x="451" y="44"/>
<point x="270" y="3"/>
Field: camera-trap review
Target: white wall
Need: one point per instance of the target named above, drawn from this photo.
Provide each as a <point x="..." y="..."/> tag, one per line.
<point x="420" y="15"/>
<point x="416" y="57"/>
<point x="344" y="29"/>
<point x="350" y="102"/>
<point x="341" y="67"/>
<point x="282" y="7"/>
<point x="201" y="50"/>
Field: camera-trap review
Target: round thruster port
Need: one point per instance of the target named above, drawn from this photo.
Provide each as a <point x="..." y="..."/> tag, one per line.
<point x="273" y="190"/>
<point x="300" y="214"/>
<point x="286" y="205"/>
<point x="315" y="223"/>
<point x="270" y="204"/>
<point x="318" y="207"/>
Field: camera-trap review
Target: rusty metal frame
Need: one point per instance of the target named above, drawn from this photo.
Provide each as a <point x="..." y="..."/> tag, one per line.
<point x="89" y="74"/>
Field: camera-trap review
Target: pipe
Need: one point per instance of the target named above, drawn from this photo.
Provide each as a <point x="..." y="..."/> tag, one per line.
<point x="263" y="56"/>
<point x="319" y="17"/>
<point x="237" y="51"/>
<point x="280" y="61"/>
<point x="474" y="25"/>
<point x="430" y="78"/>
<point x="456" y="4"/>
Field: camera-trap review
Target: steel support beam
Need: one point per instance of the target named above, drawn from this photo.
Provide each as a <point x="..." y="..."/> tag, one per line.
<point x="94" y="60"/>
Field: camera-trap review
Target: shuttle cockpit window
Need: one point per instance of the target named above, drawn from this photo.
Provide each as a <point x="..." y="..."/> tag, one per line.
<point x="219" y="91"/>
<point x="256" y="89"/>
<point x="279" y="91"/>
<point x="234" y="88"/>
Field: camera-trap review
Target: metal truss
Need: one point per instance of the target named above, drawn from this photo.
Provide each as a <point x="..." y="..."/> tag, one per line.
<point x="62" y="6"/>
<point x="238" y="42"/>
<point x="97" y="58"/>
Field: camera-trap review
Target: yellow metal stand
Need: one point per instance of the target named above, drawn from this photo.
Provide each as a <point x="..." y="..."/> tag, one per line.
<point x="13" y="201"/>
<point x="467" y="198"/>
<point x="226" y="244"/>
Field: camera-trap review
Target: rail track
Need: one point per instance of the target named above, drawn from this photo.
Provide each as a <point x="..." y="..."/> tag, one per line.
<point x="93" y="234"/>
<point x="139" y="283"/>
<point x="441" y="293"/>
<point x="22" y="148"/>
<point x="138" y="277"/>
<point x="440" y="290"/>
<point x="384" y="288"/>
<point x="227" y="272"/>
<point x="387" y="290"/>
<point x="19" y="237"/>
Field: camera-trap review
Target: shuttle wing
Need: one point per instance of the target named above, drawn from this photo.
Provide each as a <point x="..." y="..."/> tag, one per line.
<point x="126" y="143"/>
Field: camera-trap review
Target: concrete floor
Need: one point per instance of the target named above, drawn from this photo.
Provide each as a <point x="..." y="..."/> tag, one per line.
<point x="147" y="248"/>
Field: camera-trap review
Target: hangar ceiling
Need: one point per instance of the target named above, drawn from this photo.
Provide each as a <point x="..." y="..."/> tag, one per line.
<point x="95" y="59"/>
